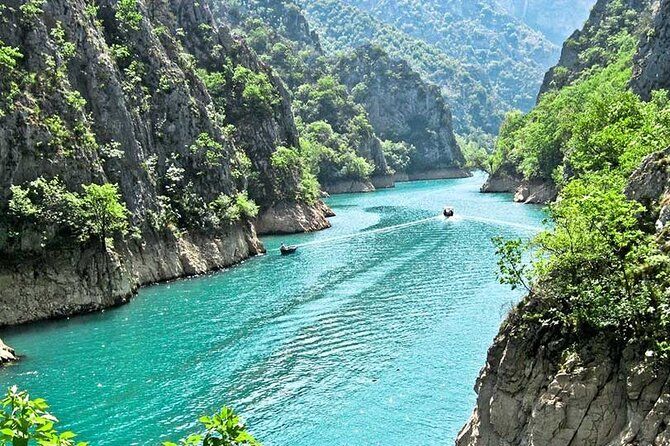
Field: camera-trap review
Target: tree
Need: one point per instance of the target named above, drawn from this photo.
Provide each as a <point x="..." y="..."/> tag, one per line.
<point x="104" y="211"/>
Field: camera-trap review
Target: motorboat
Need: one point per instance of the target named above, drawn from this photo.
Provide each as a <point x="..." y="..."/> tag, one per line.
<point x="448" y="212"/>
<point x="286" y="250"/>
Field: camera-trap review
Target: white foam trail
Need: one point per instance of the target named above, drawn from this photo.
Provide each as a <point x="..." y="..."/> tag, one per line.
<point x="503" y="223"/>
<point x="418" y="222"/>
<point x="374" y="231"/>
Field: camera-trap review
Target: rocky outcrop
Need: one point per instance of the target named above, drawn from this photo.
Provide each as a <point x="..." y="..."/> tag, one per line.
<point x="348" y="187"/>
<point x="535" y="192"/>
<point x="538" y="390"/>
<point x="77" y="281"/>
<point x="7" y="354"/>
<point x="650" y="185"/>
<point x="402" y="107"/>
<point x="593" y="44"/>
<point x="652" y="62"/>
<point x="287" y="218"/>
<point x="115" y="95"/>
<point x="507" y="180"/>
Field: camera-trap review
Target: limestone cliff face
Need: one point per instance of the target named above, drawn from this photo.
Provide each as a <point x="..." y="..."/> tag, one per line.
<point x="592" y="45"/>
<point x="537" y="390"/>
<point x="111" y="95"/>
<point x="506" y="179"/>
<point x="652" y="61"/>
<point x="402" y="107"/>
<point x="540" y="386"/>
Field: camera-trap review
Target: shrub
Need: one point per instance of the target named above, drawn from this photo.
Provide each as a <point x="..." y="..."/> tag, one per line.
<point x="24" y="421"/>
<point x="258" y="93"/>
<point x="222" y="429"/>
<point x="212" y="150"/>
<point x="105" y="214"/>
<point x="46" y="207"/>
<point x="246" y="206"/>
<point x="128" y="14"/>
<point x="398" y="154"/>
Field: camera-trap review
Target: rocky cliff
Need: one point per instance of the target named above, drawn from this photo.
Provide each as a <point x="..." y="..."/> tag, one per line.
<point x="537" y="388"/>
<point x="543" y="386"/>
<point x="595" y="44"/>
<point x="507" y="180"/>
<point x="402" y="107"/>
<point x="652" y="61"/>
<point x="122" y="92"/>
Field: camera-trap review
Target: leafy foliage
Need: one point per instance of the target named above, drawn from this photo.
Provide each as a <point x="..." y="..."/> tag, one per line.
<point x="398" y="154"/>
<point x="26" y="422"/>
<point x="59" y="216"/>
<point x="221" y="429"/>
<point x="597" y="123"/>
<point x="103" y="210"/>
<point x="257" y="91"/>
<point x="128" y="14"/>
<point x="487" y="61"/>
<point x="600" y="269"/>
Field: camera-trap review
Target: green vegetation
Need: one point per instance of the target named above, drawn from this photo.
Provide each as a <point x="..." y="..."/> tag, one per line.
<point x="59" y="216"/>
<point x="595" y="124"/>
<point x="398" y="154"/>
<point x="257" y="91"/>
<point x="487" y="62"/>
<point x="104" y="211"/>
<point x="221" y="429"/>
<point x="32" y="9"/>
<point x="128" y="14"/>
<point x="601" y="269"/>
<point x="599" y="43"/>
<point x="26" y="422"/>
<point x="212" y="150"/>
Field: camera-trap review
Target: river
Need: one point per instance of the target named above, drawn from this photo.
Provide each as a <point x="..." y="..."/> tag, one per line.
<point x="370" y="340"/>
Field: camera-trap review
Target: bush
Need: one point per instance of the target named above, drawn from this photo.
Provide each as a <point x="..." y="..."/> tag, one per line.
<point x="128" y="14"/>
<point x="104" y="211"/>
<point x="398" y="154"/>
<point x="24" y="421"/>
<point x="258" y="93"/>
<point x="221" y="429"/>
<point x="47" y="208"/>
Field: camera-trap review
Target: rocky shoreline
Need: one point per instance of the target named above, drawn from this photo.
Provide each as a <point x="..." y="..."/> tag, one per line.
<point x="79" y="281"/>
<point x="535" y="390"/>
<point x="528" y="192"/>
<point x="389" y="181"/>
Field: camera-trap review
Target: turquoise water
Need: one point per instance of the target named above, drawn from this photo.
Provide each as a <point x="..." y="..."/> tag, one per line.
<point x="371" y="340"/>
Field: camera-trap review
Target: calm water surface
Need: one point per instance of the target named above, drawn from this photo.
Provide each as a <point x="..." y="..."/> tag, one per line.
<point x="373" y="340"/>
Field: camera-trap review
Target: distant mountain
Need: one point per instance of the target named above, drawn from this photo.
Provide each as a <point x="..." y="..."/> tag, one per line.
<point x="485" y="54"/>
<point x="555" y="19"/>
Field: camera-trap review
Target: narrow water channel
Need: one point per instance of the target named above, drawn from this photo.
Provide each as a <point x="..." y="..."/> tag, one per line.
<point x="369" y="340"/>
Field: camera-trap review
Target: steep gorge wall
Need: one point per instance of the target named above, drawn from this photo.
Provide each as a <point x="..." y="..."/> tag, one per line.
<point x="541" y="386"/>
<point x="402" y="107"/>
<point x="97" y="97"/>
<point x="537" y="389"/>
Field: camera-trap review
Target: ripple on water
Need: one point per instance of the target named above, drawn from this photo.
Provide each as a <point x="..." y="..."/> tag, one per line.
<point x="360" y="340"/>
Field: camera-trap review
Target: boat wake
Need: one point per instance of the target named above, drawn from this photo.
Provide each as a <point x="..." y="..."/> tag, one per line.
<point x="373" y="231"/>
<point x="418" y="222"/>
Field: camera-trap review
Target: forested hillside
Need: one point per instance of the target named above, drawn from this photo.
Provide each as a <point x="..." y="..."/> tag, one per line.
<point x="344" y="138"/>
<point x="556" y="19"/>
<point x="486" y="60"/>
<point x="584" y="358"/>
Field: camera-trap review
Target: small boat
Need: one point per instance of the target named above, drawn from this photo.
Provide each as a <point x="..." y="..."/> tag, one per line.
<point x="448" y="212"/>
<point x="286" y="250"/>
